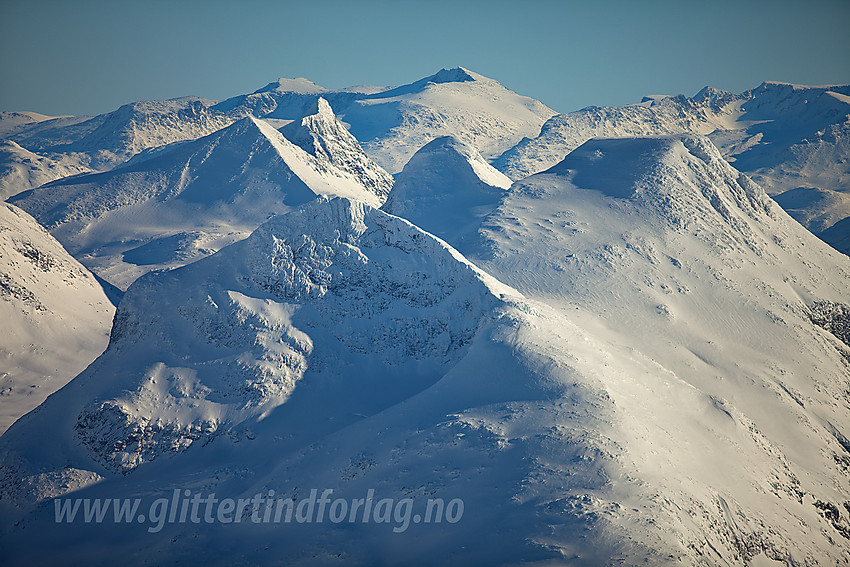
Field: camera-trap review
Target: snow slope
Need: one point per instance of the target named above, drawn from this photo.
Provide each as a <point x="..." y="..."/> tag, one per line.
<point x="105" y="141"/>
<point x="392" y="124"/>
<point x="789" y="138"/>
<point x="477" y="110"/>
<point x="679" y="257"/>
<point x="189" y="199"/>
<point x="672" y="389"/>
<point x="257" y="369"/>
<point x="446" y="186"/>
<point x="325" y="138"/>
<point x="660" y="246"/>
<point x="56" y="318"/>
<point x="21" y="169"/>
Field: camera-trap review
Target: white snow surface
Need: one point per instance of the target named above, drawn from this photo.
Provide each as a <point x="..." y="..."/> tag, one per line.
<point x="21" y="169"/>
<point x="685" y="265"/>
<point x="189" y="199"/>
<point x="56" y="318"/>
<point x="630" y="355"/>
<point x="789" y="138"/>
<point x="670" y="387"/>
<point x="675" y="255"/>
<point x="392" y="124"/>
<point x="446" y="186"/>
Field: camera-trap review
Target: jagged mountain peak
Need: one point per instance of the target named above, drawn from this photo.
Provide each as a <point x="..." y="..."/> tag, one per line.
<point x="323" y="136"/>
<point x="715" y="98"/>
<point x="190" y="199"/>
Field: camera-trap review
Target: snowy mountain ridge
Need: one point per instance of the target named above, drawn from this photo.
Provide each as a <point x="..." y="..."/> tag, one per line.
<point x="186" y="201"/>
<point x="792" y="139"/>
<point x="631" y="356"/>
<point x="391" y="124"/>
<point x="105" y="141"/>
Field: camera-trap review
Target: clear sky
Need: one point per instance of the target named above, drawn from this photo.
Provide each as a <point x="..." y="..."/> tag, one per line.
<point x="88" y="57"/>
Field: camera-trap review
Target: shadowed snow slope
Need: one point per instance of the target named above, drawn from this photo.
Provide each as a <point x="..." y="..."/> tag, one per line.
<point x="446" y="186"/>
<point x="56" y="318"/>
<point x="336" y="347"/>
<point x="674" y="254"/>
<point x="190" y="199"/>
<point x="324" y="137"/>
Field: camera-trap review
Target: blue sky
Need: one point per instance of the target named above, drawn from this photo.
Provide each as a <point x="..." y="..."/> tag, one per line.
<point x="88" y="57"/>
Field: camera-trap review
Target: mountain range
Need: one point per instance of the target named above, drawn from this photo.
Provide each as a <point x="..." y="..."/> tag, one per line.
<point x="611" y="335"/>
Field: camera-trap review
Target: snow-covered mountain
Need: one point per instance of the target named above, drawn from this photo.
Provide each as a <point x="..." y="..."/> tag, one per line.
<point x="669" y="389"/>
<point x="238" y="371"/>
<point x="685" y="264"/>
<point x="177" y="204"/>
<point x="326" y="138"/>
<point x="446" y="186"/>
<point x="672" y="253"/>
<point x="794" y="140"/>
<point x="56" y="318"/>
<point x="21" y="169"/>
<point x="630" y="355"/>
<point x="107" y="140"/>
<point x="392" y="124"/>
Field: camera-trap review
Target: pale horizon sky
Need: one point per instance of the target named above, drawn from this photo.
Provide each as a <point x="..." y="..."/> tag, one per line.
<point x="91" y="56"/>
